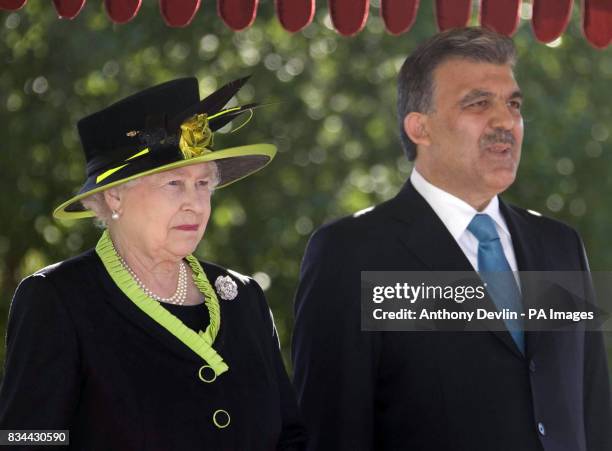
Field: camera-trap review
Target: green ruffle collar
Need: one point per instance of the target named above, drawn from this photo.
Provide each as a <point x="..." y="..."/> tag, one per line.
<point x="201" y="342"/>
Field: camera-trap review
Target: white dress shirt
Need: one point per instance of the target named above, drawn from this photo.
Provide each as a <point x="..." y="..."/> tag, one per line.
<point x="457" y="214"/>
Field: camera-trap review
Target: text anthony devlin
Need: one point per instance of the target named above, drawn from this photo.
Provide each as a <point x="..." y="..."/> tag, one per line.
<point x="443" y="314"/>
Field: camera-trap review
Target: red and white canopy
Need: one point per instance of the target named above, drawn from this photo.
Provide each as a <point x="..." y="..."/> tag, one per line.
<point x="549" y="17"/>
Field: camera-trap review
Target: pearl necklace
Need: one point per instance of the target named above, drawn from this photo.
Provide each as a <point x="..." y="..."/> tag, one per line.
<point x="180" y="295"/>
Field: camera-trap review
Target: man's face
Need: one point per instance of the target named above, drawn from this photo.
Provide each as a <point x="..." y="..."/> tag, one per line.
<point x="474" y="135"/>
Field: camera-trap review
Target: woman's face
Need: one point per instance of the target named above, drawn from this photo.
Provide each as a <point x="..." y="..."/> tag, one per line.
<point x="165" y="215"/>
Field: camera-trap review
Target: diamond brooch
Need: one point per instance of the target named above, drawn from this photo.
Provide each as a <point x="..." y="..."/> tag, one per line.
<point x="226" y="287"/>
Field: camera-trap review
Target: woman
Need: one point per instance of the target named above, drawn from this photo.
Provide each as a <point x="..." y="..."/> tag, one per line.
<point x="137" y="345"/>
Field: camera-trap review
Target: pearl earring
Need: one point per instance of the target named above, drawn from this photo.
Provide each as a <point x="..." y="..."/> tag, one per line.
<point x="115" y="215"/>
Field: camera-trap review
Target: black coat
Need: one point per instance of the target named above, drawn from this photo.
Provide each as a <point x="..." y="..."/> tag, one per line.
<point x="439" y="391"/>
<point x="81" y="356"/>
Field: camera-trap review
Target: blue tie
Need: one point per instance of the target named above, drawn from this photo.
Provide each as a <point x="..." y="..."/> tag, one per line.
<point x="495" y="271"/>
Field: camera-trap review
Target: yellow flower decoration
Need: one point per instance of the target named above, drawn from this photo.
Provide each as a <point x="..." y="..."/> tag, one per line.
<point x="196" y="136"/>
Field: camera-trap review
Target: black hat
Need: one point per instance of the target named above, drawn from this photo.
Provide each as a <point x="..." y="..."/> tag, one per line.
<point x="161" y="128"/>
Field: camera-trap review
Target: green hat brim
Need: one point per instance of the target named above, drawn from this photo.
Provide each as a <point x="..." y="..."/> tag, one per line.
<point x="266" y="152"/>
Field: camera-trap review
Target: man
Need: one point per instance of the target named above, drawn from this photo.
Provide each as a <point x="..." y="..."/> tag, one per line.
<point x="460" y="117"/>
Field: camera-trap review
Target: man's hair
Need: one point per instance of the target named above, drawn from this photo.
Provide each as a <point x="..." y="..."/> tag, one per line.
<point x="415" y="83"/>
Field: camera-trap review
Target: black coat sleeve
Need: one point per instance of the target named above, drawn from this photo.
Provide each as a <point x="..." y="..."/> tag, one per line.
<point x="597" y="400"/>
<point x="41" y="381"/>
<point x="334" y="361"/>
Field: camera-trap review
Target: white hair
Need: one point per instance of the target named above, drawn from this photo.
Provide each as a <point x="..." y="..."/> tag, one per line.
<point x="97" y="203"/>
<point x="102" y="212"/>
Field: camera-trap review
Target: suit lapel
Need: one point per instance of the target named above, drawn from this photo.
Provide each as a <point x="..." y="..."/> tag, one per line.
<point x="425" y="235"/>
<point x="528" y="252"/>
<point x="529" y="257"/>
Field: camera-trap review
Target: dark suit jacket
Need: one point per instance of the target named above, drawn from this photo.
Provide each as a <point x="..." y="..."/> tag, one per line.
<point x="81" y="356"/>
<point x="422" y="391"/>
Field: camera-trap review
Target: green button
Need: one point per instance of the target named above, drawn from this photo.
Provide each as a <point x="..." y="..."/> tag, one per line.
<point x="221" y="418"/>
<point x="207" y="374"/>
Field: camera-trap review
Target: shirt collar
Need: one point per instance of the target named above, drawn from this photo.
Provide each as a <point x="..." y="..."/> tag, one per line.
<point x="455" y="213"/>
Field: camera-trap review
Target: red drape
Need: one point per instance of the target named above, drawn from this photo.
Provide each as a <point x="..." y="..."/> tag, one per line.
<point x="349" y="16"/>
<point x="178" y="14"/>
<point x="597" y="22"/>
<point x="237" y="14"/>
<point x="68" y="9"/>
<point x="295" y="14"/>
<point x="502" y="17"/>
<point x="549" y="17"/>
<point x="453" y="13"/>
<point x="121" y="11"/>
<point x="399" y="15"/>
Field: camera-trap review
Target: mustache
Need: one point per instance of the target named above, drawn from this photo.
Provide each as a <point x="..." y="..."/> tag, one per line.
<point x="499" y="136"/>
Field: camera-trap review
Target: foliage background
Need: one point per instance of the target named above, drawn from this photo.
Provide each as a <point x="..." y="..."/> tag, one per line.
<point x="334" y="125"/>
